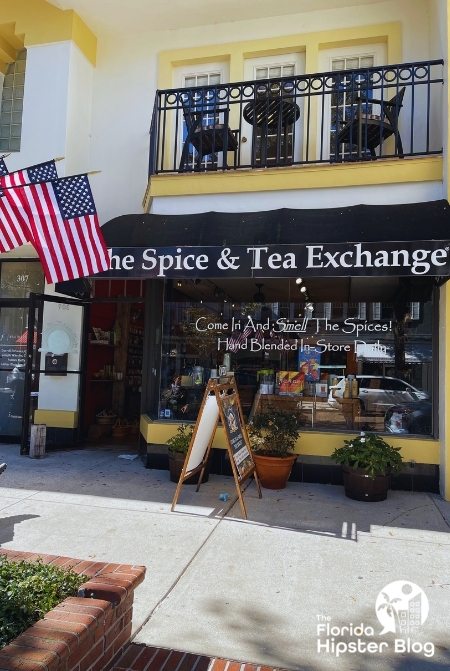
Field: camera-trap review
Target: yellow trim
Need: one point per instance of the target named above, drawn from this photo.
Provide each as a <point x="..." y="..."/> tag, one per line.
<point x="84" y="38"/>
<point x="10" y="45"/>
<point x="420" y="450"/>
<point x="42" y="23"/>
<point x="311" y="43"/>
<point x="444" y="357"/>
<point x="61" y="419"/>
<point x="8" y="53"/>
<point x="386" y="171"/>
<point x="159" y="432"/>
<point x="446" y="12"/>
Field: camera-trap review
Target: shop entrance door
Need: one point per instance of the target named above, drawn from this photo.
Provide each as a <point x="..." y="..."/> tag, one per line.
<point x="14" y="316"/>
<point x="54" y="365"/>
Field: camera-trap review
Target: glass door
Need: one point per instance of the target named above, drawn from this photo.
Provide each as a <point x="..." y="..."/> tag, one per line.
<point x="55" y="364"/>
<point x="14" y="316"/>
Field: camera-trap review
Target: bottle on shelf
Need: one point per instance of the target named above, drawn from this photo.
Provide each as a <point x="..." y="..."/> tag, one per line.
<point x="347" y="390"/>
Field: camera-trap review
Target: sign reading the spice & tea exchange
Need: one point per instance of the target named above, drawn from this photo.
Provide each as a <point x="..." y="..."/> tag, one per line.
<point x="418" y="258"/>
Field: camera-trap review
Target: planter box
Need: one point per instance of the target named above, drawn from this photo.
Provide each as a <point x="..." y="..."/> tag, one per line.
<point x="83" y="633"/>
<point x="360" y="486"/>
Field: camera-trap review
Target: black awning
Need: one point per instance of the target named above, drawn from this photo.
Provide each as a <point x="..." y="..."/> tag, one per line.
<point x="364" y="240"/>
<point x="359" y="223"/>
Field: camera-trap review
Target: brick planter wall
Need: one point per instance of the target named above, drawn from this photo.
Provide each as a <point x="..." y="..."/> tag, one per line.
<point x="83" y="633"/>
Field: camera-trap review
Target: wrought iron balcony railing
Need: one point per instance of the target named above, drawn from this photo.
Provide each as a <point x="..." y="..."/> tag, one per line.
<point x="329" y="117"/>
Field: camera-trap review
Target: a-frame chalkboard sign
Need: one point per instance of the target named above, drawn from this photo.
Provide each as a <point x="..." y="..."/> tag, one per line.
<point x="221" y="401"/>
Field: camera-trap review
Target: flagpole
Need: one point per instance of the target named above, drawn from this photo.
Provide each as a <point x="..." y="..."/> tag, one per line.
<point x="46" y="181"/>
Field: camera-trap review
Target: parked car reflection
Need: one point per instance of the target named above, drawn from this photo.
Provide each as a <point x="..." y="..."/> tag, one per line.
<point x="412" y="417"/>
<point x="377" y="393"/>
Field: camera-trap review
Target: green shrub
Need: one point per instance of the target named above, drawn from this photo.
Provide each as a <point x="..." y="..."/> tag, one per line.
<point x="181" y="440"/>
<point x="28" y="590"/>
<point x="274" y="433"/>
<point x="370" y="452"/>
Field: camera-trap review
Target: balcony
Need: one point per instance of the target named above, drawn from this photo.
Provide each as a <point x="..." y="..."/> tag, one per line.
<point x="387" y="112"/>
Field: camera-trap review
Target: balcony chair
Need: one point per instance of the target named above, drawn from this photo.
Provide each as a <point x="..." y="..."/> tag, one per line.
<point x="207" y="139"/>
<point x="368" y="131"/>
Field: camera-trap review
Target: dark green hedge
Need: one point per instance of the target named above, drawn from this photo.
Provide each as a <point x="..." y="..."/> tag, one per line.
<point x="28" y="590"/>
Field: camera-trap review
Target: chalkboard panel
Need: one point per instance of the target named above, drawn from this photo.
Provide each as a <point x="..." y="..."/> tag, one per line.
<point x="235" y="434"/>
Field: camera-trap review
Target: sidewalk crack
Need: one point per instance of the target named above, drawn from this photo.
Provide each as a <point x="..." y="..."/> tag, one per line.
<point x="439" y="510"/>
<point x="185" y="569"/>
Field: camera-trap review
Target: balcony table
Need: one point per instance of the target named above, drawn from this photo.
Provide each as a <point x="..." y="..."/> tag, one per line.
<point x="271" y="112"/>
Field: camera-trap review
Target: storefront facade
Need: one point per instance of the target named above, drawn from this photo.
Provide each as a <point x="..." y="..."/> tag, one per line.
<point x="296" y="322"/>
<point x="280" y="202"/>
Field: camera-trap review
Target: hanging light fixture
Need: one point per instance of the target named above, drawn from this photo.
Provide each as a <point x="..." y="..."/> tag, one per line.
<point x="259" y="296"/>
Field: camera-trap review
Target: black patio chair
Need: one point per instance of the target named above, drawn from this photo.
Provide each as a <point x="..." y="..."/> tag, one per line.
<point x="207" y="139"/>
<point x="369" y="131"/>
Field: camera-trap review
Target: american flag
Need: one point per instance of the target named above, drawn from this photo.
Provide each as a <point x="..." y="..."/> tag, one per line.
<point x="15" y="232"/>
<point x="238" y="338"/>
<point x="65" y="231"/>
<point x="42" y="172"/>
<point x="3" y="168"/>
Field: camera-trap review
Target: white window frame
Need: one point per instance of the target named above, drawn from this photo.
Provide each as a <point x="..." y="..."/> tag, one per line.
<point x="377" y="51"/>
<point x="297" y="59"/>
<point x="180" y="75"/>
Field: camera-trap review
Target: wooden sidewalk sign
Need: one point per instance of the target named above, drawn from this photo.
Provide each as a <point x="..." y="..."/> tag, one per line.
<point x="220" y="401"/>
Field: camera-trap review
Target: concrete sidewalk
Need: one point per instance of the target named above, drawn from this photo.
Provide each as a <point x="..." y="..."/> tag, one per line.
<point x="220" y="586"/>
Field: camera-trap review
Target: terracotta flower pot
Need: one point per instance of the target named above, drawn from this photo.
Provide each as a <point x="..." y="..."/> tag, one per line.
<point x="274" y="472"/>
<point x="361" y="486"/>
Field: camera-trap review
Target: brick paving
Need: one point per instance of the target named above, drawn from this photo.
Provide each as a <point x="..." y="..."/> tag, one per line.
<point x="144" y="658"/>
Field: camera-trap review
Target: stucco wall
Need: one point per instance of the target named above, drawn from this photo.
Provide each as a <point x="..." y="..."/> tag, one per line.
<point x="125" y="83"/>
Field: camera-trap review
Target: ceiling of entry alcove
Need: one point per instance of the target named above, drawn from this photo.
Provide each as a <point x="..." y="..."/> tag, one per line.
<point x="319" y="290"/>
<point x="117" y="16"/>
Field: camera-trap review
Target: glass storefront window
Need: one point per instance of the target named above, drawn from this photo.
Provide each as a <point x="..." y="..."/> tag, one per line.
<point x="355" y="355"/>
<point x="18" y="278"/>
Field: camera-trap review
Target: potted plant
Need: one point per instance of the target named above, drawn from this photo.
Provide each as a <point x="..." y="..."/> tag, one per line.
<point x="367" y="463"/>
<point x="272" y="436"/>
<point x="178" y="447"/>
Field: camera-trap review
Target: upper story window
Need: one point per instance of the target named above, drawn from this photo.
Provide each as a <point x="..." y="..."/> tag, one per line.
<point x="270" y="144"/>
<point x="274" y="71"/>
<point x="12" y="104"/>
<point x="204" y="101"/>
<point x="275" y="143"/>
<point x="344" y="103"/>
